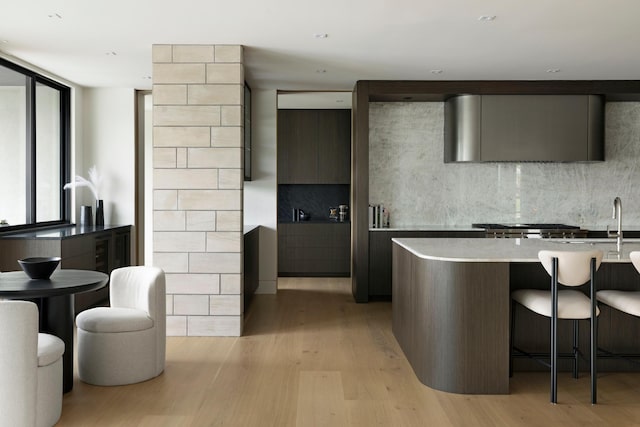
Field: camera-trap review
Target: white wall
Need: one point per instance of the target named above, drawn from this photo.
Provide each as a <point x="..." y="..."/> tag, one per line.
<point x="260" y="194"/>
<point x="108" y="141"/>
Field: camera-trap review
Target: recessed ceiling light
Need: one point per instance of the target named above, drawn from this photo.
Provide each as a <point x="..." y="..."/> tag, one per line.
<point x="55" y="15"/>
<point x="436" y="71"/>
<point x="487" y="18"/>
<point x="5" y="41"/>
<point x="321" y="35"/>
<point x="553" y="70"/>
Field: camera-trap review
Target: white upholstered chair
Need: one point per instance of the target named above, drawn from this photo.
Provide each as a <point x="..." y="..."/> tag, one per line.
<point x="625" y="301"/>
<point x="30" y="368"/>
<point x="568" y="268"/>
<point x="125" y="342"/>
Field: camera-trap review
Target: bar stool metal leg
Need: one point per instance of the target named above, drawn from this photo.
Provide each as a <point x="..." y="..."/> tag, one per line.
<point x="512" y="308"/>
<point x="576" y="352"/>
<point x="594" y="333"/>
<point x="554" y="332"/>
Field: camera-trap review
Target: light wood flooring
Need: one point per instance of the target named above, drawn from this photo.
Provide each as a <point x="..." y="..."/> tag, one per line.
<point x="310" y="356"/>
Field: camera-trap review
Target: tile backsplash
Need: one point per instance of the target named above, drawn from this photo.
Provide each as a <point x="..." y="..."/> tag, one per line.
<point x="407" y="174"/>
<point x="315" y="199"/>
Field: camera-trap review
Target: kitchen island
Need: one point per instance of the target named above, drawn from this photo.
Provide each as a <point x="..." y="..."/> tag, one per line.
<point x="451" y="303"/>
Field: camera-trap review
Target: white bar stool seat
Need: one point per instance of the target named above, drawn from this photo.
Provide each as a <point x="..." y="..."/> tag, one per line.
<point x="571" y="304"/>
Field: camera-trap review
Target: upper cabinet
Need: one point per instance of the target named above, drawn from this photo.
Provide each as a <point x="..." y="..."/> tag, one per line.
<point x="314" y="146"/>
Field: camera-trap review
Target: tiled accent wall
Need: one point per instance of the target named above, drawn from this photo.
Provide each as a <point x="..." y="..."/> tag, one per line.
<point x="197" y="180"/>
<point x="314" y="199"/>
<point x="408" y="175"/>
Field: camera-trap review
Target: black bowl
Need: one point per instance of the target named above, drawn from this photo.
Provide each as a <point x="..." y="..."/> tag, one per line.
<point x="39" y="267"/>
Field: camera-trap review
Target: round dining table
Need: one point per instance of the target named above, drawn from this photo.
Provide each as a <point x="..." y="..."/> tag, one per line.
<point x="54" y="297"/>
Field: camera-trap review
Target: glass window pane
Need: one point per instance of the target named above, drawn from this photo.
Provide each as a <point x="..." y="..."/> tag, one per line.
<point x="48" y="184"/>
<point x="13" y="127"/>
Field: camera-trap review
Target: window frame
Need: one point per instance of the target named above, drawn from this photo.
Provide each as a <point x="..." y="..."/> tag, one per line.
<point x="32" y="80"/>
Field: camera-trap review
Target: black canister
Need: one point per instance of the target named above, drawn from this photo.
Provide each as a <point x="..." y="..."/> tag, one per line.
<point x="86" y="215"/>
<point x="295" y="215"/>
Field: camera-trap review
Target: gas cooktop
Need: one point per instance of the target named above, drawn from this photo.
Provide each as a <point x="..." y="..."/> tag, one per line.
<point x="525" y="226"/>
<point x="531" y="230"/>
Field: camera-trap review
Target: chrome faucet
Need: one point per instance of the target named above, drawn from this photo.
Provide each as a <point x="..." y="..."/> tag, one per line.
<point x="617" y="214"/>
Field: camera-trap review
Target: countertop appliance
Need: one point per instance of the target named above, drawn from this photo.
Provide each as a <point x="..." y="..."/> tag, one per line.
<point x="531" y="231"/>
<point x="343" y="213"/>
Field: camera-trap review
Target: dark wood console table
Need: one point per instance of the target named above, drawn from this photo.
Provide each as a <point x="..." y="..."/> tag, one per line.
<point x="99" y="248"/>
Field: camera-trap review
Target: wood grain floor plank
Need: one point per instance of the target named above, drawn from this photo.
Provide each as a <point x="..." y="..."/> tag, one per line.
<point x="311" y="356"/>
<point x="320" y="400"/>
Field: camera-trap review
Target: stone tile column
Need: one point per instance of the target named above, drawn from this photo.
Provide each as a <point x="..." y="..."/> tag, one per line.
<point x="197" y="182"/>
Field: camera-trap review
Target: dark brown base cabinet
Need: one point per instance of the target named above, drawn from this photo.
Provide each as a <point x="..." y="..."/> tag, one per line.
<point x="251" y="264"/>
<point x="314" y="249"/>
<point x="380" y="255"/>
<point x="87" y="248"/>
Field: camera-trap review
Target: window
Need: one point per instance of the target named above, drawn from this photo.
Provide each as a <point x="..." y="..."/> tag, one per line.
<point x="34" y="149"/>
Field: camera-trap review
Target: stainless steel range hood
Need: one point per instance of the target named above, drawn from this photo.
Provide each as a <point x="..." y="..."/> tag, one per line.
<point x="524" y="128"/>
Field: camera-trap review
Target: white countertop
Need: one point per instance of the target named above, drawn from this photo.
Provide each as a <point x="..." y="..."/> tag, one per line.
<point x="437" y="227"/>
<point x="510" y="250"/>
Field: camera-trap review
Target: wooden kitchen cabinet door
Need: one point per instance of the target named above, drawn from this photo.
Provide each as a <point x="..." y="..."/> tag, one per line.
<point x="334" y="146"/>
<point x="297" y="147"/>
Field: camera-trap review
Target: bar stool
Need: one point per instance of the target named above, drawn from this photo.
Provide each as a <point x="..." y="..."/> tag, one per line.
<point x="624" y="301"/>
<point x="568" y="268"/>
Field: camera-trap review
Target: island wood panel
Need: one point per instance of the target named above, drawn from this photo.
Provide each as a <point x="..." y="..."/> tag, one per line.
<point x="380" y="255"/>
<point x="452" y="322"/>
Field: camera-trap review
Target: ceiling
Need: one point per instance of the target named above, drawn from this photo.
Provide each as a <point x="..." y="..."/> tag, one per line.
<point x="108" y="44"/>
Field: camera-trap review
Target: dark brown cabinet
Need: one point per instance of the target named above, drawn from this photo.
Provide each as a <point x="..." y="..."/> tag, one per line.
<point x="380" y="255"/>
<point x="334" y="147"/>
<point x="251" y="264"/>
<point x="83" y="248"/>
<point x="308" y="249"/>
<point x="314" y="146"/>
<point x="297" y="147"/>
